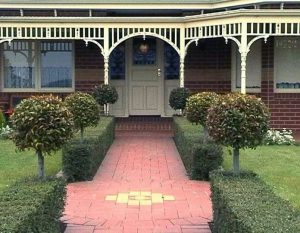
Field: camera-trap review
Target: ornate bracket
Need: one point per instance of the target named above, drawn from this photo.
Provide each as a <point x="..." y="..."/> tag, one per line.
<point x="239" y="44"/>
<point x="87" y="41"/>
<point x="6" y="40"/>
<point x="265" y="37"/>
<point x="232" y="38"/>
<point x="189" y="43"/>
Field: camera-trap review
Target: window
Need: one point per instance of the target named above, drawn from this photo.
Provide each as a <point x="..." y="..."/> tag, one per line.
<point x="56" y="65"/>
<point x="144" y="51"/>
<point x="117" y="63"/>
<point x="287" y="60"/>
<point x="19" y="65"/>
<point x="253" y="75"/>
<point x="172" y="61"/>
<point x="38" y="66"/>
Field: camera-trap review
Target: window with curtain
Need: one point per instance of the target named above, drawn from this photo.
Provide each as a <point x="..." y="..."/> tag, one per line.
<point x="19" y="65"/>
<point x="287" y="60"/>
<point x="37" y="65"/>
<point x="56" y="65"/>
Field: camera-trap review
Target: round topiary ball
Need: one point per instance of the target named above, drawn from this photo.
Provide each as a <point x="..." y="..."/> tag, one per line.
<point x="178" y="98"/>
<point x="197" y="106"/>
<point x="105" y="94"/>
<point x="43" y="123"/>
<point x="238" y="120"/>
<point x="84" y="109"/>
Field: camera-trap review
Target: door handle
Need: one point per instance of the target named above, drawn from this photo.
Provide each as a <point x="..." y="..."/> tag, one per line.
<point x="158" y="72"/>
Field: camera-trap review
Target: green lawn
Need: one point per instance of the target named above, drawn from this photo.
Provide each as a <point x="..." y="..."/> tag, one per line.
<point x="15" y="165"/>
<point x="279" y="166"/>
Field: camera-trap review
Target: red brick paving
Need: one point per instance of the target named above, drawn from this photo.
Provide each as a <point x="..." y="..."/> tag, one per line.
<point x="139" y="163"/>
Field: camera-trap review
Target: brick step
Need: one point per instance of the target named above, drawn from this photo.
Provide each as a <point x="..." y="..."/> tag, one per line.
<point x="144" y="123"/>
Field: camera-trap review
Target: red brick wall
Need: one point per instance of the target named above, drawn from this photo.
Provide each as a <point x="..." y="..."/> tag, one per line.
<point x="284" y="107"/>
<point x="88" y="66"/>
<point x="208" y="66"/>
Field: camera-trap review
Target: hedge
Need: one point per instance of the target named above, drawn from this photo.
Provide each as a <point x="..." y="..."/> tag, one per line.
<point x="81" y="160"/>
<point x="32" y="206"/>
<point x="199" y="158"/>
<point x="245" y="204"/>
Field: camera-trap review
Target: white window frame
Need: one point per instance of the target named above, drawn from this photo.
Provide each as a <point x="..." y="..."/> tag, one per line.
<point x="235" y="66"/>
<point x="276" y="62"/>
<point x="38" y="72"/>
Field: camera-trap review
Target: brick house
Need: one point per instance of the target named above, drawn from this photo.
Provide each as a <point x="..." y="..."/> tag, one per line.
<point x="147" y="48"/>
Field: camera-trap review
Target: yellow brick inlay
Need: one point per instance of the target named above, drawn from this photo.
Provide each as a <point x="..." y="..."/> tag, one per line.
<point x="122" y="198"/>
<point x="139" y="198"/>
<point x="111" y="198"/>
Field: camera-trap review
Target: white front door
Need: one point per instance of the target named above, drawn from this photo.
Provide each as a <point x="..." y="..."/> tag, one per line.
<point x="145" y="81"/>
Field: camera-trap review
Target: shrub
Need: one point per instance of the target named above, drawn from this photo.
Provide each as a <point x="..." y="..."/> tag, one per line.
<point x="198" y="105"/>
<point x="206" y="157"/>
<point x="6" y="132"/>
<point x="85" y="110"/>
<point x="82" y="160"/>
<point x="178" y="98"/>
<point x="42" y="123"/>
<point x="105" y="94"/>
<point x="32" y="206"/>
<point x="245" y="204"/>
<point x="277" y="137"/>
<point x="199" y="158"/>
<point x="239" y="121"/>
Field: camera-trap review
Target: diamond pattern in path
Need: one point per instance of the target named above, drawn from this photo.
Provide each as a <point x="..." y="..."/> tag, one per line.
<point x="139" y="165"/>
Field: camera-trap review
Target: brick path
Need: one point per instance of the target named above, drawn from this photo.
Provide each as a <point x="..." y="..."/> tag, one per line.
<point x="140" y="187"/>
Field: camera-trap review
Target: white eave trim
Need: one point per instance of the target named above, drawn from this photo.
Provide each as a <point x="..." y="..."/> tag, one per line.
<point x="167" y="4"/>
<point x="195" y="18"/>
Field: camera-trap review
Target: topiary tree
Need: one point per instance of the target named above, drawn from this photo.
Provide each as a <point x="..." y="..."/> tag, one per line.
<point x="42" y="123"/>
<point x="197" y="106"/>
<point x="105" y="94"/>
<point x="178" y="98"/>
<point x="240" y="121"/>
<point x="85" y="110"/>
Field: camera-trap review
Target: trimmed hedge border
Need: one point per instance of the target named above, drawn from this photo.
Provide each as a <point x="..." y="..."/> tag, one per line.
<point x="199" y="158"/>
<point x="81" y="160"/>
<point x="246" y="204"/>
<point x="31" y="206"/>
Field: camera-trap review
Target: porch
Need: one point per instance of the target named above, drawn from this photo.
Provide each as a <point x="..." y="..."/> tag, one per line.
<point x="219" y="52"/>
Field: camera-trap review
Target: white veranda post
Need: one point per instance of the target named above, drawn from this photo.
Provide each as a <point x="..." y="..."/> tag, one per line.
<point x="106" y="62"/>
<point x="105" y="52"/>
<point x="244" y="52"/>
<point x="182" y="56"/>
<point x="244" y="49"/>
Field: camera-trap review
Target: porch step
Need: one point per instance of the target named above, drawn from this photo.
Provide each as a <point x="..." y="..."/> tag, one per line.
<point x="144" y="126"/>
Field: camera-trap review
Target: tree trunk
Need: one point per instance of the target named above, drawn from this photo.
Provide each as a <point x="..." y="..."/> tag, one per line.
<point x="236" y="161"/>
<point x="107" y="109"/>
<point x="41" y="169"/>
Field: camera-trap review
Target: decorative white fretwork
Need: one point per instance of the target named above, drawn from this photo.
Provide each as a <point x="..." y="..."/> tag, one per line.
<point x="169" y="35"/>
